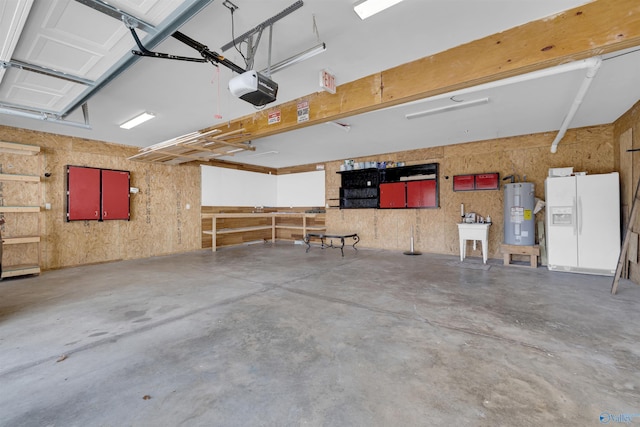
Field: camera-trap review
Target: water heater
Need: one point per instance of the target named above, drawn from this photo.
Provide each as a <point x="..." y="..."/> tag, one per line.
<point x="519" y="220"/>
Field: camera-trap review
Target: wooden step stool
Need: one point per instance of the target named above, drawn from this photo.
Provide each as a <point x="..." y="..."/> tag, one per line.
<point x="532" y="251"/>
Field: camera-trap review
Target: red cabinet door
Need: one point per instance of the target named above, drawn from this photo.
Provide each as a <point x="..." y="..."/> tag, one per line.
<point x="393" y="195"/>
<point x="421" y="194"/>
<point x="115" y="194"/>
<point x="83" y="193"/>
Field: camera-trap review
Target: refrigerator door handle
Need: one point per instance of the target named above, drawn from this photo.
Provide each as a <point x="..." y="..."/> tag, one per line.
<point x="579" y="215"/>
<point x="574" y="217"/>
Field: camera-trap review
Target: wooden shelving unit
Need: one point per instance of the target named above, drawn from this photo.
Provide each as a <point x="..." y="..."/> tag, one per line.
<point x="13" y="237"/>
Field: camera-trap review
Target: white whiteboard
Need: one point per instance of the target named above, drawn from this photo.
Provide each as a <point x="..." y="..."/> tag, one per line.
<point x="230" y="187"/>
<point x="301" y="189"/>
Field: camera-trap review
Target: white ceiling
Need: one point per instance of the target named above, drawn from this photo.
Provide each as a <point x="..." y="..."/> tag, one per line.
<point x="73" y="38"/>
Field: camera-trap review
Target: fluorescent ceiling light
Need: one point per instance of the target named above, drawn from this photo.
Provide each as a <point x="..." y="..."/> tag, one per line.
<point x="265" y="153"/>
<point x="370" y="7"/>
<point x="302" y="56"/>
<point x="137" y="120"/>
<point x="446" y="108"/>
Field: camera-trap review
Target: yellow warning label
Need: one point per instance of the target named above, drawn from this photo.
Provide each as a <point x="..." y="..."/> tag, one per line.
<point x="527" y="214"/>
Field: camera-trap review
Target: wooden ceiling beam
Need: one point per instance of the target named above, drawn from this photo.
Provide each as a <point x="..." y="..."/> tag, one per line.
<point x="596" y="28"/>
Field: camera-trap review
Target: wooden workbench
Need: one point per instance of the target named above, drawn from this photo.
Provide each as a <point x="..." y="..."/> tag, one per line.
<point x="274" y="221"/>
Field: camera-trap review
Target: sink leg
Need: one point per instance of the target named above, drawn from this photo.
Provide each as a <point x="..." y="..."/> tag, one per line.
<point x="484" y="251"/>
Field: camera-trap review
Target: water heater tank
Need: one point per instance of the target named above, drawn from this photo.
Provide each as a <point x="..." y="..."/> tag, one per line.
<point x="519" y="220"/>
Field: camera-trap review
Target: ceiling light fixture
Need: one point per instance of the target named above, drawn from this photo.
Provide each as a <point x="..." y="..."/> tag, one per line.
<point x="302" y="56"/>
<point x="137" y="120"/>
<point x="457" y="106"/>
<point x="265" y="153"/>
<point x="370" y="7"/>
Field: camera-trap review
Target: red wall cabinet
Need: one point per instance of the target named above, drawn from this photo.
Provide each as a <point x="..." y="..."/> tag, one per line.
<point x="97" y="194"/>
<point x="478" y="181"/>
<point x="83" y="193"/>
<point x="409" y="194"/>
<point x="393" y="195"/>
<point x="421" y="194"/>
<point x="115" y="194"/>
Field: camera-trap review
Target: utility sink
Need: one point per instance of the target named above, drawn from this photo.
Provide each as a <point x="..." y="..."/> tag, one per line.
<point x="474" y="231"/>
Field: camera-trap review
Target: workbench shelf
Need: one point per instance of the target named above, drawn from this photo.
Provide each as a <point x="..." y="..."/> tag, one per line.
<point x="299" y="227"/>
<point x="242" y="229"/>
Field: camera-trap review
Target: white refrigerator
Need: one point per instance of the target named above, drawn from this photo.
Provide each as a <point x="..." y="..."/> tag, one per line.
<point x="583" y="223"/>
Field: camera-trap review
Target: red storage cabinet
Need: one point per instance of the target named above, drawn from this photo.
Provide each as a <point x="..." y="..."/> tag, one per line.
<point x="115" y="194"/>
<point x="393" y="195"/>
<point x="421" y="194"/>
<point x="97" y="194"/>
<point x="83" y="193"/>
<point x="464" y="182"/>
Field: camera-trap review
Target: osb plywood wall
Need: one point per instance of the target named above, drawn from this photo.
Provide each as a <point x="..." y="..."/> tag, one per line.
<point x="435" y="230"/>
<point x="627" y="135"/>
<point x="160" y="221"/>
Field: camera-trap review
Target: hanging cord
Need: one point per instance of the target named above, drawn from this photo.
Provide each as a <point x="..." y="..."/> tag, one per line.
<point x="216" y="79"/>
<point x="233" y="37"/>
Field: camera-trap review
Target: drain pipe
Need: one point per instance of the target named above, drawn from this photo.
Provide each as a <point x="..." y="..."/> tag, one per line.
<point x="586" y="83"/>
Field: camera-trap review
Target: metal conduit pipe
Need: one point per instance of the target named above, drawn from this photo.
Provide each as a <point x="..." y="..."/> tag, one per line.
<point x="594" y="66"/>
<point x="534" y="75"/>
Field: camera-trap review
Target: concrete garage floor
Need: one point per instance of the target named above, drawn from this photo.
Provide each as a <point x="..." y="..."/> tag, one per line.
<point x="272" y="336"/>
